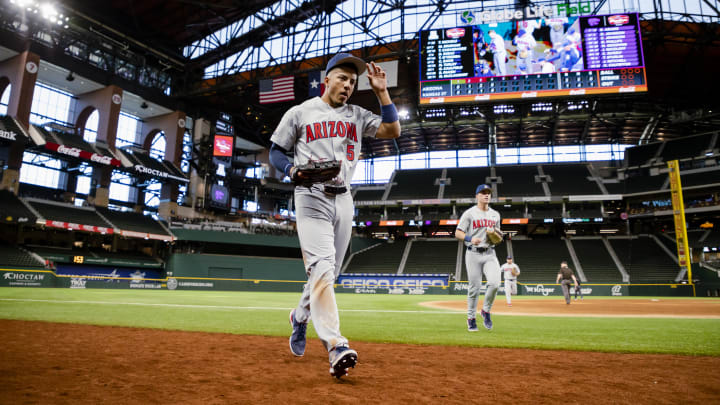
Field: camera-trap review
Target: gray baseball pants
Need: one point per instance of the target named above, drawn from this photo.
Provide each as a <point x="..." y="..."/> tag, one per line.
<point x="477" y="264"/>
<point x="324" y="224"/>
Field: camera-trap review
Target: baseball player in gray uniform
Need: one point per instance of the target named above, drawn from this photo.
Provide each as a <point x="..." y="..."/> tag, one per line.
<point x="326" y="128"/>
<point x="510" y="271"/>
<point x="473" y="227"/>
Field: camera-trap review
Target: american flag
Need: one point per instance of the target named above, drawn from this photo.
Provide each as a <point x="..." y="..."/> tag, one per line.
<point x="277" y="89"/>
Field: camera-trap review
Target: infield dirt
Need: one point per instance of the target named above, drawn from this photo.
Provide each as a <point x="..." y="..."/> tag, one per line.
<point x="53" y="363"/>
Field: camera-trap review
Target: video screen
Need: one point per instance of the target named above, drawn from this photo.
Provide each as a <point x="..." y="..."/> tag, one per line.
<point x="219" y="196"/>
<point x="223" y="146"/>
<point x="553" y="56"/>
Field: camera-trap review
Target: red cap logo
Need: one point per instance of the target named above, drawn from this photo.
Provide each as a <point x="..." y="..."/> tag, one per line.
<point x="455" y="32"/>
<point x="621" y="19"/>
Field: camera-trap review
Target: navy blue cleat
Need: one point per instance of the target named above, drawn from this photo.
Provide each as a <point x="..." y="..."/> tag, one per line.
<point x="472" y="325"/>
<point x="487" y="322"/>
<point x="297" y="339"/>
<point x="342" y="358"/>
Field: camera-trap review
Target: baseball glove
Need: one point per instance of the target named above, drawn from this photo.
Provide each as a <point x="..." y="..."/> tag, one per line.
<point x="495" y="237"/>
<point x="514" y="272"/>
<point x="315" y="172"/>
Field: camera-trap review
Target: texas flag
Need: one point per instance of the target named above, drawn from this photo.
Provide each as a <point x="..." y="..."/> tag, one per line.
<point x="316" y="83"/>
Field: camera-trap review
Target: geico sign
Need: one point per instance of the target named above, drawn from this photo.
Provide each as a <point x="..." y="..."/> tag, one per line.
<point x="381" y="283"/>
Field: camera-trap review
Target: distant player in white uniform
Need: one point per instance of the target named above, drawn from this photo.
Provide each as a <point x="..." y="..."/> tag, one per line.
<point x="510" y="271"/>
<point x="497" y="46"/>
<point x="473" y="227"/>
<point x="325" y="129"/>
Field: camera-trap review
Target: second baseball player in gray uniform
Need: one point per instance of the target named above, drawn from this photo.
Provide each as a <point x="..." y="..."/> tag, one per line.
<point x="510" y="272"/>
<point x="325" y="129"/>
<point x="480" y="256"/>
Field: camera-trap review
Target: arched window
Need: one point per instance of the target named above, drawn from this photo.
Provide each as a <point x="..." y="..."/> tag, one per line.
<point x="157" y="151"/>
<point x="91" y="127"/>
<point x="5" y="100"/>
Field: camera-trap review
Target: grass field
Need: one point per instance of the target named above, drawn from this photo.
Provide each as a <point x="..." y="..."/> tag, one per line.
<point x="369" y="318"/>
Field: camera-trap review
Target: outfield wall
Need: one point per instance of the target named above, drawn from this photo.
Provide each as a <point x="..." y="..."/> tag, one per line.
<point x="207" y="275"/>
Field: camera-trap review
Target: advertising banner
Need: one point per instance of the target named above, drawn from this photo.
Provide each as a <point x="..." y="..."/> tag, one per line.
<point x="108" y="277"/>
<point x="26" y="278"/>
<point x="369" y="283"/>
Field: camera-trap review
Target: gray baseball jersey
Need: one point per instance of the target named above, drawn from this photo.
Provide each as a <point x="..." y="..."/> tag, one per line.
<point x="474" y="222"/>
<point x="318" y="132"/>
<point x="507" y="271"/>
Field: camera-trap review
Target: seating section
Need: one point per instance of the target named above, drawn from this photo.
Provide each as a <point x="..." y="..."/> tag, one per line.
<point x="596" y="261"/>
<point x="587" y="210"/>
<point x="437" y="256"/>
<point x="369" y="214"/>
<point x="405" y="213"/>
<point x="464" y="181"/>
<point x="570" y="179"/>
<point x="132" y="221"/>
<point x="415" y="184"/>
<point x="539" y="259"/>
<point x="435" y="213"/>
<point x="518" y="181"/>
<point x="362" y="194"/>
<point x="69" y="213"/>
<point x="546" y="210"/>
<point x="12" y="209"/>
<point x="700" y="179"/>
<point x="645" y="261"/>
<point x="17" y="257"/>
<point x="381" y="259"/>
<point x="513" y="211"/>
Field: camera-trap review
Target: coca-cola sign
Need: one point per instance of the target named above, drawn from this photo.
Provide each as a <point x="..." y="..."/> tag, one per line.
<point x="82" y="154"/>
<point x="68" y="151"/>
<point x="78" y="227"/>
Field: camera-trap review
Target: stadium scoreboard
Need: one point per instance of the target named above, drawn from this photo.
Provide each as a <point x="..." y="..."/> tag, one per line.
<point x="581" y="55"/>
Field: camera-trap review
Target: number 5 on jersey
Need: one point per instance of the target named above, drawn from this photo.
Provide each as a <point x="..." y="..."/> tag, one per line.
<point x="351" y="152"/>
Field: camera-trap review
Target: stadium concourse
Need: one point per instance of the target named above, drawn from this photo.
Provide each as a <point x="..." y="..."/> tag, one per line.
<point x="135" y="154"/>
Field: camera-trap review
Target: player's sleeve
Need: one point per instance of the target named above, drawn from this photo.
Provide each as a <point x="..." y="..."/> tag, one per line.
<point x="285" y="134"/>
<point x="517" y="268"/>
<point x="464" y="222"/>
<point x="369" y="123"/>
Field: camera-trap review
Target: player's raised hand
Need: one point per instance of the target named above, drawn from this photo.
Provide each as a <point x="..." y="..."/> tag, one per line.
<point x="377" y="77"/>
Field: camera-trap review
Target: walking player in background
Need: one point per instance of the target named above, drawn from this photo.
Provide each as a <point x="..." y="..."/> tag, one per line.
<point x="567" y="276"/>
<point x="326" y="128"/>
<point x="578" y="289"/>
<point x="510" y="271"/>
<point x="478" y="226"/>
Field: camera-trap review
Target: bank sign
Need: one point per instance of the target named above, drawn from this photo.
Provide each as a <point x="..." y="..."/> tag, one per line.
<point x="391" y="283"/>
<point x="475" y="17"/>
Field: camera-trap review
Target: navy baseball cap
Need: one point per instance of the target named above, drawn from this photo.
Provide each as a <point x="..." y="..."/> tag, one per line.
<point x="482" y="188"/>
<point x="509" y="257"/>
<point x="346" y="59"/>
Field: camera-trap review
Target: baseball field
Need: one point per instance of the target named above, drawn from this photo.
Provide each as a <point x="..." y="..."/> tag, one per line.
<point x="125" y="346"/>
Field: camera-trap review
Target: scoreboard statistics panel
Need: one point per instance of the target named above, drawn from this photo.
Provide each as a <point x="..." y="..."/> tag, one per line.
<point x="546" y="57"/>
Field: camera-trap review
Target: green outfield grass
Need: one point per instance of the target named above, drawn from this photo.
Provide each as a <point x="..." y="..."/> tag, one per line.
<point x="369" y="318"/>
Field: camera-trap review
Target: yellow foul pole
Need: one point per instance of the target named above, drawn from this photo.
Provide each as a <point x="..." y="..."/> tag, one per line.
<point x="684" y="256"/>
